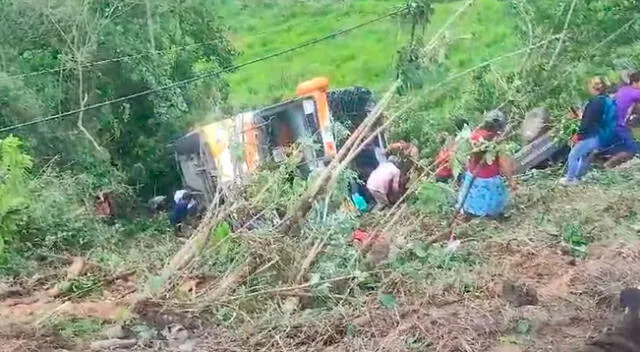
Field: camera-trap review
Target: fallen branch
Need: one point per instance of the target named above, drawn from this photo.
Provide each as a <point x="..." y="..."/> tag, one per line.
<point x="299" y="287"/>
<point x="196" y="243"/>
<point x="292" y="302"/>
<point x="299" y="210"/>
<point x="233" y="279"/>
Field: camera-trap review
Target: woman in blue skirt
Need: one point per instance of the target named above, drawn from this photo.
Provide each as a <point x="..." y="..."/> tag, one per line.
<point x="483" y="192"/>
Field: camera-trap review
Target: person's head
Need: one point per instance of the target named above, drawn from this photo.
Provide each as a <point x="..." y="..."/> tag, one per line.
<point x="187" y="196"/>
<point x="625" y="76"/>
<point x="634" y="79"/>
<point x="495" y="121"/>
<point x="597" y="85"/>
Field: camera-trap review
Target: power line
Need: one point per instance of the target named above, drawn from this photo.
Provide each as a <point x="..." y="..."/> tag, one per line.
<point x="205" y="75"/>
<point x="145" y="53"/>
<point x="133" y="56"/>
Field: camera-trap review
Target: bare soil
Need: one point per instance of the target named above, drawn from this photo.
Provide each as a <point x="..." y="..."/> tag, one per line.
<point x="531" y="294"/>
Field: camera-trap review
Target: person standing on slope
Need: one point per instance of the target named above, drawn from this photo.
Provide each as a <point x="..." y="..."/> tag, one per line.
<point x="444" y="170"/>
<point x="596" y="131"/>
<point x="483" y="192"/>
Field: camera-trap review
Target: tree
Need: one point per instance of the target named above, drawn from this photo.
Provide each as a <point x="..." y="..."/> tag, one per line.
<point x="70" y="54"/>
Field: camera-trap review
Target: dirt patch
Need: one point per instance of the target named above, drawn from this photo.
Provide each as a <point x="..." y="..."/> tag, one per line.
<point x="519" y="293"/>
<point x="29" y="310"/>
<point x="18" y="338"/>
<point x="158" y="316"/>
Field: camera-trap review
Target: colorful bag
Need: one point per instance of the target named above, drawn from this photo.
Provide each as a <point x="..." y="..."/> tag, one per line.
<point x="607" y="129"/>
<point x="359" y="202"/>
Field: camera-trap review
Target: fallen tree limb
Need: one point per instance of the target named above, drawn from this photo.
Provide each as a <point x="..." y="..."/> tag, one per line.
<point x="196" y="243"/>
<point x="299" y="287"/>
<point x="292" y="302"/>
<point x="299" y="210"/>
<point x="233" y="279"/>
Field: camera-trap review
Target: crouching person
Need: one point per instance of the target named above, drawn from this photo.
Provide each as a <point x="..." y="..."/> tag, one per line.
<point x="384" y="183"/>
<point x="185" y="205"/>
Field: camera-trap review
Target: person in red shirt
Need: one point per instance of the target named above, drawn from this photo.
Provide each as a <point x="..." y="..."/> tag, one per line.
<point x="444" y="171"/>
<point x="483" y="192"/>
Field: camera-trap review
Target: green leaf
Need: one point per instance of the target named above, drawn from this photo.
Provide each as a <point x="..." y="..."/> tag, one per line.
<point x="388" y="301"/>
<point x="523" y="327"/>
<point x="222" y="231"/>
<point x="420" y="252"/>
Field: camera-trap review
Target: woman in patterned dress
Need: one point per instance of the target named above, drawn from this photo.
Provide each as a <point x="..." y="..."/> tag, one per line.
<point x="483" y="192"/>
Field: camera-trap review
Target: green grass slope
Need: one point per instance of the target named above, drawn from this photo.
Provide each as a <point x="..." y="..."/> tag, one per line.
<point x="363" y="57"/>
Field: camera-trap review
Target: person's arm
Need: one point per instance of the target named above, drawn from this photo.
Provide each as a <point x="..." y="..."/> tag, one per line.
<point x="635" y="98"/>
<point x="443" y="156"/>
<point x="592" y="114"/>
<point x="507" y="169"/>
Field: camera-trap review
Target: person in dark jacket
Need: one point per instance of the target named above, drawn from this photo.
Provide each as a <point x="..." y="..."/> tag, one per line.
<point x="593" y="133"/>
<point x="182" y="209"/>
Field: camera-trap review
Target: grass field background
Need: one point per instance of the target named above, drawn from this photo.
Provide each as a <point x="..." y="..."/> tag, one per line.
<point x="363" y="57"/>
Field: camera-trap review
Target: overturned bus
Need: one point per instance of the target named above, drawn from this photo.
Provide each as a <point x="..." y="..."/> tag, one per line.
<point x="217" y="156"/>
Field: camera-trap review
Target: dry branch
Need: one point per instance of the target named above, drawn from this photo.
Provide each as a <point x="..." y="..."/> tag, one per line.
<point x="233" y="279"/>
<point x="300" y="209"/>
<point x="196" y="243"/>
<point x="292" y="302"/>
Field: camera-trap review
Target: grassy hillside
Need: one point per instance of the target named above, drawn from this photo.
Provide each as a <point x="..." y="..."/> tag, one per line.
<point x="363" y="57"/>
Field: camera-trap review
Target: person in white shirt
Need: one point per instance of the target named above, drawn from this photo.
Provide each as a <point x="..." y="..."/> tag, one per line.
<point x="180" y="195"/>
<point x="384" y="182"/>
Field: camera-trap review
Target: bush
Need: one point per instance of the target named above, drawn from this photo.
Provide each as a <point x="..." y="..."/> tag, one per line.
<point x="58" y="217"/>
<point x="50" y="212"/>
<point x="13" y="194"/>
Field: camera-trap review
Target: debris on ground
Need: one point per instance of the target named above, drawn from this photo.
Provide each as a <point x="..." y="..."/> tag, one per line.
<point x="115" y="331"/>
<point x="112" y="344"/>
<point x="519" y="294"/>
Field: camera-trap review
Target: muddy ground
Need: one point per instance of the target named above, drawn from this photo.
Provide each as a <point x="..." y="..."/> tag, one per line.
<point x="533" y="292"/>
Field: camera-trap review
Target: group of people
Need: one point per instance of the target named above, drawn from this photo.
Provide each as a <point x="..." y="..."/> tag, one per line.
<point x="485" y="184"/>
<point x="604" y="127"/>
<point x="483" y="192"/>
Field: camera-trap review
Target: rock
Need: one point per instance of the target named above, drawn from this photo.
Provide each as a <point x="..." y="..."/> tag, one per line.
<point x="571" y="261"/>
<point x="179" y="338"/>
<point x="519" y="294"/>
<point x="112" y="344"/>
<point x="175" y="333"/>
<point x="113" y="332"/>
<point x="379" y="253"/>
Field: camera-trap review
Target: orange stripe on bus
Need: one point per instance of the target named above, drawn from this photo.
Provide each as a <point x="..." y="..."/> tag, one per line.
<point x="250" y="146"/>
